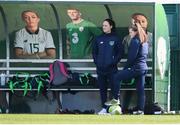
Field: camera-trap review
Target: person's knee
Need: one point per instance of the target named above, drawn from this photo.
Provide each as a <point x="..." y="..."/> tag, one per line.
<point x="115" y="77"/>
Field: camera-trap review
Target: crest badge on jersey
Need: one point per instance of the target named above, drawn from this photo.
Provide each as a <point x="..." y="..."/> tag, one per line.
<point x="111" y="43"/>
<point x="81" y="28"/>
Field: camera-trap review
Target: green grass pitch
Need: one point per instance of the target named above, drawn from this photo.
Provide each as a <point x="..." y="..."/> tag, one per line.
<point x="87" y="119"/>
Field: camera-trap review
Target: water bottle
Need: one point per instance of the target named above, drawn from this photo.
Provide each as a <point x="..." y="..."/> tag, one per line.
<point x="3" y="81"/>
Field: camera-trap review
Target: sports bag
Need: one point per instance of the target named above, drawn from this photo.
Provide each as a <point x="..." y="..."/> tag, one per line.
<point x="18" y="81"/>
<point x="58" y="73"/>
<point x="79" y="79"/>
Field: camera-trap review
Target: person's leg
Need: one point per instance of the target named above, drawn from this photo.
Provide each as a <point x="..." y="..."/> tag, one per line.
<point x="140" y="91"/>
<point x="126" y="100"/>
<point x="102" y="82"/>
<point x="110" y="81"/>
<point x="118" y="77"/>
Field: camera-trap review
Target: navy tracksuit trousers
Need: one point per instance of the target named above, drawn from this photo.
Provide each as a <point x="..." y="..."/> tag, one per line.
<point x="103" y="81"/>
<point x="139" y="80"/>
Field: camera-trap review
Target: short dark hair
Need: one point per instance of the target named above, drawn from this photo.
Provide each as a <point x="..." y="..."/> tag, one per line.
<point x="73" y="8"/>
<point x="136" y="14"/>
<point x="111" y="23"/>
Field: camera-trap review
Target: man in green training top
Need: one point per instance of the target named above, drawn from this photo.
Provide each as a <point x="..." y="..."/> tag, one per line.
<point x="80" y="34"/>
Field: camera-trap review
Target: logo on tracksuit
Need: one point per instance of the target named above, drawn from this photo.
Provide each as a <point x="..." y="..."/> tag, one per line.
<point x="111" y="43"/>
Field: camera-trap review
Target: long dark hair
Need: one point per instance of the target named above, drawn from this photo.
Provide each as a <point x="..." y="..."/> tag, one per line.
<point x="111" y="23"/>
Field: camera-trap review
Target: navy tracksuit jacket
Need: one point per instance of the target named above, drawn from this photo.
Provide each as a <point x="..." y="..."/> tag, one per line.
<point x="107" y="52"/>
<point x="135" y="67"/>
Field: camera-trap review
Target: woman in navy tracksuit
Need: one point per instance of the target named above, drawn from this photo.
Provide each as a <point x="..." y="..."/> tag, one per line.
<point x="135" y="67"/>
<point x="107" y="52"/>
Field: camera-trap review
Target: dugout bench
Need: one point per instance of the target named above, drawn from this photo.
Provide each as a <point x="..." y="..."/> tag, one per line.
<point x="76" y="65"/>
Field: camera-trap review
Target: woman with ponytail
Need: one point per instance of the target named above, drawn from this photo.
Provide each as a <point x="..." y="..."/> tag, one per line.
<point x="107" y="52"/>
<point x="135" y="67"/>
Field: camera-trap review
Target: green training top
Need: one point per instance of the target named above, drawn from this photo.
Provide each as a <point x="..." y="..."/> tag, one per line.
<point x="80" y="36"/>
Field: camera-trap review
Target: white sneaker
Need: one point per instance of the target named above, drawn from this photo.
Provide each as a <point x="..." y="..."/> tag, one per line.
<point x="102" y="112"/>
<point x="112" y="102"/>
<point x="139" y="112"/>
